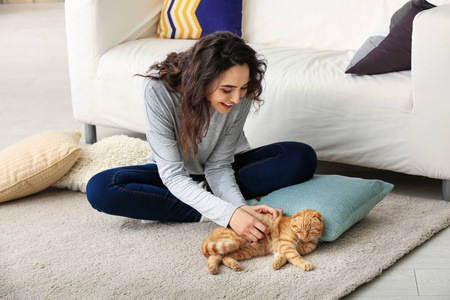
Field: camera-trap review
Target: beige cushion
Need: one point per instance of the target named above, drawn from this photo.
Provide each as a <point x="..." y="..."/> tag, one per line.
<point x="36" y="162"/>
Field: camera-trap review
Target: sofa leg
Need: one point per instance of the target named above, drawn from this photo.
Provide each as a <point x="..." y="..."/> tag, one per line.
<point x="90" y="132"/>
<point x="446" y="190"/>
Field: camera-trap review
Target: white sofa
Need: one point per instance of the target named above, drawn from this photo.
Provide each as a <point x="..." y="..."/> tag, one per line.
<point x="397" y="121"/>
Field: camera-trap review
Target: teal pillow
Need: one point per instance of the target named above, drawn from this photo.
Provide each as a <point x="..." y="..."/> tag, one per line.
<point x="341" y="200"/>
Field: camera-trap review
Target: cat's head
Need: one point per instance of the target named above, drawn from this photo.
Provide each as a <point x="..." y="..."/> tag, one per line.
<point x="307" y="224"/>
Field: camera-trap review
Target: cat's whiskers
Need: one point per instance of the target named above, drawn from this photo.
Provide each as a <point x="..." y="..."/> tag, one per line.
<point x="320" y="243"/>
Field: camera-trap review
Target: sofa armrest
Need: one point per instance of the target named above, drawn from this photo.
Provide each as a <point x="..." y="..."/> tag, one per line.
<point x="95" y="26"/>
<point x="431" y="92"/>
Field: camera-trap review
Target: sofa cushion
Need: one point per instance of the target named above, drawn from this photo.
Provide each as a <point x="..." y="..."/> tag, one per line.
<point x="303" y="86"/>
<point x="320" y="25"/>
<point x="116" y="80"/>
<point x="308" y="97"/>
<point x="192" y="19"/>
<point x="341" y="200"/>
<point x="36" y="162"/>
<point x="389" y="49"/>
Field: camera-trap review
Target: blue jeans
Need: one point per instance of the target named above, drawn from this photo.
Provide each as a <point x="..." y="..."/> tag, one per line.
<point x="138" y="192"/>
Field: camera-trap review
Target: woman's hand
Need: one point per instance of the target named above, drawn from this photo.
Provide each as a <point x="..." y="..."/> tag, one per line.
<point x="263" y="209"/>
<point x="247" y="226"/>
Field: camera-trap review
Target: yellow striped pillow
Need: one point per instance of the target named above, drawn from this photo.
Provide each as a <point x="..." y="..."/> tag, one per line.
<point x="36" y="162"/>
<point x="192" y="19"/>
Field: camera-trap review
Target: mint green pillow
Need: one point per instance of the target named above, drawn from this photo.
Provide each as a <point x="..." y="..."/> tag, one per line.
<point x="341" y="200"/>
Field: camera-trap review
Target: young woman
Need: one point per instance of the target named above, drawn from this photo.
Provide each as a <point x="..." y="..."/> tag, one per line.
<point x="201" y="165"/>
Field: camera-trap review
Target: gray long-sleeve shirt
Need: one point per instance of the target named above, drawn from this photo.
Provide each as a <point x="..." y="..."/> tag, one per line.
<point x="224" y="139"/>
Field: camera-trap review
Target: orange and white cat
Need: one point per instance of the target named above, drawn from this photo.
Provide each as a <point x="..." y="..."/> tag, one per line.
<point x="289" y="238"/>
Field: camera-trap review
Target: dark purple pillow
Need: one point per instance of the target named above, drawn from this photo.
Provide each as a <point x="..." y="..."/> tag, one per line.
<point x="391" y="53"/>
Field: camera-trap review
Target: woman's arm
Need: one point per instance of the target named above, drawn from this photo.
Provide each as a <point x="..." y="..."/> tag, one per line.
<point x="218" y="168"/>
<point x="160" y="123"/>
<point x="220" y="176"/>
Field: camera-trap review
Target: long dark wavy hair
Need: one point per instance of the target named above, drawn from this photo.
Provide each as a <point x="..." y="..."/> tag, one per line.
<point x="191" y="73"/>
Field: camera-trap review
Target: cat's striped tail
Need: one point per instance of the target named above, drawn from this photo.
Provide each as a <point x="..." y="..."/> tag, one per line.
<point x="219" y="247"/>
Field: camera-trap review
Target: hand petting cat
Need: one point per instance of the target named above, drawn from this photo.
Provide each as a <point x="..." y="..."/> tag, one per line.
<point x="245" y="224"/>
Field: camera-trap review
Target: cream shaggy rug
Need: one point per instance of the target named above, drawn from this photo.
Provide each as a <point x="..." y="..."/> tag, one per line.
<point x="111" y="152"/>
<point x="53" y="245"/>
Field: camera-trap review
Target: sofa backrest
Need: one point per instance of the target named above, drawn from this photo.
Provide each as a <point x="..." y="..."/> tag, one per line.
<point x="315" y="24"/>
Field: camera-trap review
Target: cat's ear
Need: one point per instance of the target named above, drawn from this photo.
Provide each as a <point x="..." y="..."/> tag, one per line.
<point x="298" y="214"/>
<point x="318" y="216"/>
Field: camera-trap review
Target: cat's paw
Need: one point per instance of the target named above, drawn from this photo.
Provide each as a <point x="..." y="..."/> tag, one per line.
<point x="307" y="266"/>
<point x="280" y="260"/>
<point x="231" y="263"/>
<point x="213" y="270"/>
<point x="213" y="264"/>
<point x="236" y="266"/>
<point x="276" y="265"/>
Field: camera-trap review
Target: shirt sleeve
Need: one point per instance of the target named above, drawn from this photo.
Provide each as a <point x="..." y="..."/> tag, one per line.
<point x="218" y="169"/>
<point x="160" y="129"/>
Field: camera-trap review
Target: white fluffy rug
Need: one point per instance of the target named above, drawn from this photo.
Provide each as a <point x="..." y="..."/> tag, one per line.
<point x="110" y="152"/>
<point x="53" y="245"/>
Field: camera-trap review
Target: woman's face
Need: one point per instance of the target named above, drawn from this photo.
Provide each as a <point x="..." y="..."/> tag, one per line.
<point x="224" y="92"/>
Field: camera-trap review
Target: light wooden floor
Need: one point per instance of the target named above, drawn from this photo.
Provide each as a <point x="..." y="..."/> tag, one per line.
<point x="35" y="96"/>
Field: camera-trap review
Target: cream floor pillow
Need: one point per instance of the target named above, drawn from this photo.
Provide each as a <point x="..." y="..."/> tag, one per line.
<point x="35" y="163"/>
